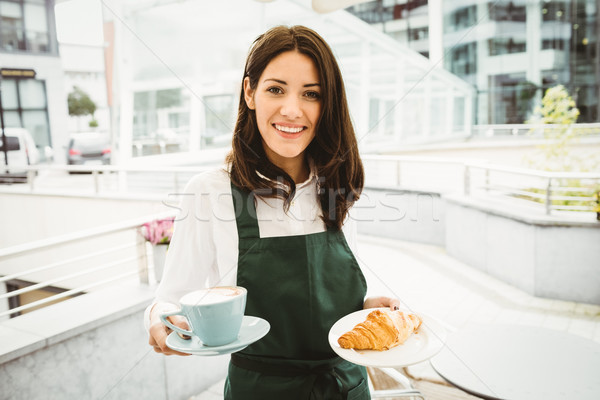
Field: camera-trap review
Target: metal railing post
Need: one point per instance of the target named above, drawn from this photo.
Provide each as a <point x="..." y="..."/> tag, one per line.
<point x="548" y="195"/>
<point x="31" y="178"/>
<point x="487" y="180"/>
<point x="96" y="183"/>
<point x="142" y="257"/>
<point x="467" y="181"/>
<point x="176" y="182"/>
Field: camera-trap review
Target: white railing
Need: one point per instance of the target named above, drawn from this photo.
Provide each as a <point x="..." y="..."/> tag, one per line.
<point x="551" y="191"/>
<point x="54" y="265"/>
<point x="548" y="191"/>
<point x="533" y="130"/>
<point x="98" y="179"/>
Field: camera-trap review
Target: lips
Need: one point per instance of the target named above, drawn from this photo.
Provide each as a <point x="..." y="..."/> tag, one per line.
<point x="289" y="131"/>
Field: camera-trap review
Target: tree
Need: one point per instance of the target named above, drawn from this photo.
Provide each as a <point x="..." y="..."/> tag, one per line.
<point x="559" y="110"/>
<point x="81" y="104"/>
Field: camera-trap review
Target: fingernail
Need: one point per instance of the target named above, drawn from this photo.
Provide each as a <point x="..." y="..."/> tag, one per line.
<point x="396" y="308"/>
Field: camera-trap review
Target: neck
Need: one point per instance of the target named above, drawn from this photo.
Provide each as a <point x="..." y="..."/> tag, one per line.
<point x="298" y="170"/>
<point x="297" y="167"/>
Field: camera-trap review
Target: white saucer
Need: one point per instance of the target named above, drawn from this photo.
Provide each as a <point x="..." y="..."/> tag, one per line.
<point x="426" y="342"/>
<point x="253" y="329"/>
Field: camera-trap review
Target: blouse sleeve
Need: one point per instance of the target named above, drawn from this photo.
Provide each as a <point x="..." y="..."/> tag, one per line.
<point x="191" y="257"/>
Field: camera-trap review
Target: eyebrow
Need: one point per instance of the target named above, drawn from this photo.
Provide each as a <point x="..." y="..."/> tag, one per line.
<point x="285" y="83"/>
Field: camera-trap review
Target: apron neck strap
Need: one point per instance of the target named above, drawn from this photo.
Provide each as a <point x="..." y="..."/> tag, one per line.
<point x="245" y="213"/>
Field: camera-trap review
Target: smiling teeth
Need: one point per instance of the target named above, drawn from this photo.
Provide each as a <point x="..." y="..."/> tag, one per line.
<point x="288" y="129"/>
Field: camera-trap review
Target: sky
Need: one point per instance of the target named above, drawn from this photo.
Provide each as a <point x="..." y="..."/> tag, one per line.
<point x="79" y="22"/>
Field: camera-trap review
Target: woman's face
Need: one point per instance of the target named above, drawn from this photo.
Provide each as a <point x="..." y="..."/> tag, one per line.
<point x="287" y="103"/>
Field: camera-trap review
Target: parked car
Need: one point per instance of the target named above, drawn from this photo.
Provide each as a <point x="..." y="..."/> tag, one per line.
<point x="21" y="151"/>
<point x="89" y="148"/>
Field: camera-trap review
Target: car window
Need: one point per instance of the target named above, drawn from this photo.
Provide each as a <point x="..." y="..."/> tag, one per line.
<point x="12" y="143"/>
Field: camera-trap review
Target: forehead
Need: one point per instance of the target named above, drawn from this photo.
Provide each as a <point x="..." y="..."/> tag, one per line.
<point x="291" y="67"/>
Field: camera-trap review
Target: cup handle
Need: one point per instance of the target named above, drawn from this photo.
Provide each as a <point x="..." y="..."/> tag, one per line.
<point x="163" y="318"/>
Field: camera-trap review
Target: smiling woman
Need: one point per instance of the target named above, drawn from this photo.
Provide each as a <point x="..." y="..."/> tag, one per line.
<point x="293" y="173"/>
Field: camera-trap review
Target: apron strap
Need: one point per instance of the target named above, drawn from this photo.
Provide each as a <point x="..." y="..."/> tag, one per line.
<point x="291" y="370"/>
<point x="245" y="213"/>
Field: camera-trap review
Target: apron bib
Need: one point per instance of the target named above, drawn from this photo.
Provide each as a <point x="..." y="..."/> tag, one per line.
<point x="301" y="285"/>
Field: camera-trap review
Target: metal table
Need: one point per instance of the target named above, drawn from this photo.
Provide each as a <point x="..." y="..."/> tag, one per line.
<point x="512" y="362"/>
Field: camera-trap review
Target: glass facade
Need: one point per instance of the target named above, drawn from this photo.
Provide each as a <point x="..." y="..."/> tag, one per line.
<point x="161" y="120"/>
<point x="24" y="26"/>
<point x="187" y="101"/>
<point x="510" y="51"/>
<point x="24" y="104"/>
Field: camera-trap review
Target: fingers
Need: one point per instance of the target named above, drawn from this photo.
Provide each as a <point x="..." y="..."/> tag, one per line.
<point x="394" y="304"/>
<point x="382" y="301"/>
<point x="158" y="336"/>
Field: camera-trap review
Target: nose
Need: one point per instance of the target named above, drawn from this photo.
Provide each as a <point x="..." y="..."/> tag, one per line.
<point x="291" y="107"/>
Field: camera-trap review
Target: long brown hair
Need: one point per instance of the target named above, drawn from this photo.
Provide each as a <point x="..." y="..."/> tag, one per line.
<point x="334" y="150"/>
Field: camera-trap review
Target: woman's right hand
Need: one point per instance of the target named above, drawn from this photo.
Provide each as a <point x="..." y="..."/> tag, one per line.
<point x="158" y="332"/>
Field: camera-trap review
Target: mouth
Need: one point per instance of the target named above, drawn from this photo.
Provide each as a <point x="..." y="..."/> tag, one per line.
<point x="289" y="131"/>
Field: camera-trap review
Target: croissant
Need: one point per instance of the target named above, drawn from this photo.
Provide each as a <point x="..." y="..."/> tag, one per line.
<point x="382" y="330"/>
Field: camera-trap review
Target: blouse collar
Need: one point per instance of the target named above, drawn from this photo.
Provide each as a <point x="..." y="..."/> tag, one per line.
<point x="312" y="176"/>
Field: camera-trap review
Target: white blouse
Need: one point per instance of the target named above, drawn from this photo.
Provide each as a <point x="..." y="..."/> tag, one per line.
<point x="204" y="248"/>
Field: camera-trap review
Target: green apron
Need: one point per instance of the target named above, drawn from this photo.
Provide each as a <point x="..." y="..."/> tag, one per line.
<point x="302" y="285"/>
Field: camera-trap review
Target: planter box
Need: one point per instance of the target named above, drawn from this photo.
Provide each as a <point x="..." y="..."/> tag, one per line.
<point x="545" y="256"/>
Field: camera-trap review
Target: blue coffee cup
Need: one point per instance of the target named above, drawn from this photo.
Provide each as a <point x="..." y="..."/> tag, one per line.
<point x="214" y="315"/>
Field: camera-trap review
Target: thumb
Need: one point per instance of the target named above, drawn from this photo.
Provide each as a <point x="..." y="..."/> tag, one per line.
<point x="180" y="322"/>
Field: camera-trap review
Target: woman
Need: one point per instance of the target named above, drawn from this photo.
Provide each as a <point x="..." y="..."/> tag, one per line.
<point x="273" y="224"/>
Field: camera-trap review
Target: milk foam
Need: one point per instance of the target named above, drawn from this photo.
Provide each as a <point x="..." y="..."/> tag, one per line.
<point x="211" y="296"/>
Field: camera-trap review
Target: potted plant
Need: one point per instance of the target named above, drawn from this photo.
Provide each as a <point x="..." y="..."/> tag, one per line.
<point x="158" y="233"/>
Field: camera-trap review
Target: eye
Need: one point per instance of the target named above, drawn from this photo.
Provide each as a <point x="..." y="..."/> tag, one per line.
<point x="275" y="90"/>
<point x="313" y="95"/>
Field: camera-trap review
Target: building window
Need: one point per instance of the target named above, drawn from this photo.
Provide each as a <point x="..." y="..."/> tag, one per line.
<point x="418" y="33"/>
<point x="499" y="11"/>
<point x="499" y="46"/>
<point x="554" y="11"/>
<point x="554" y="44"/>
<point x="385" y="10"/>
<point x="463" y="59"/>
<point x="24" y="104"/>
<point x="461" y="19"/>
<point x="220" y="120"/>
<point x="24" y="26"/>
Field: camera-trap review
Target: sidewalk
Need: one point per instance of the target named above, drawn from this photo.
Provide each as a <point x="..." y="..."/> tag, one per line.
<point x="427" y="280"/>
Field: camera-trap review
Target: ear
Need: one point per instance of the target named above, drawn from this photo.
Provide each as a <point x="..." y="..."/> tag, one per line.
<point x="248" y="93"/>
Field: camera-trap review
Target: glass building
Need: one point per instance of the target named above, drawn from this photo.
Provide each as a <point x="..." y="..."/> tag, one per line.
<point x="28" y="42"/>
<point x="179" y="68"/>
<point x="510" y="51"/>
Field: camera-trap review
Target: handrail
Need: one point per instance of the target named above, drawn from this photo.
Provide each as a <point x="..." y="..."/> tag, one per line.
<point x="549" y="185"/>
<point x="139" y="244"/>
<point x="419" y="159"/>
<point x="104" y="168"/>
<point x="62" y="262"/>
<point x="71" y="237"/>
<point x="65" y="277"/>
<point x="67" y="293"/>
<point x="535" y="172"/>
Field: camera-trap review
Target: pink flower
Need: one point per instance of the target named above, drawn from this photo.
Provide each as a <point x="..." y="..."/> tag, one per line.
<point x="158" y="231"/>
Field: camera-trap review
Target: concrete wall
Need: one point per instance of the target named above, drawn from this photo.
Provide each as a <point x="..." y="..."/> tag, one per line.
<point x="62" y="352"/>
<point x="401" y="214"/>
<point x="547" y="257"/>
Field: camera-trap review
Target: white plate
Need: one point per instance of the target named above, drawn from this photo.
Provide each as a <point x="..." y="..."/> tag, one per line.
<point x="427" y="341"/>
<point x="252" y="330"/>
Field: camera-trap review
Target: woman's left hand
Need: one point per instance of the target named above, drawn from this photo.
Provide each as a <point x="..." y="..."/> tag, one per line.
<point x="382" y="301"/>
